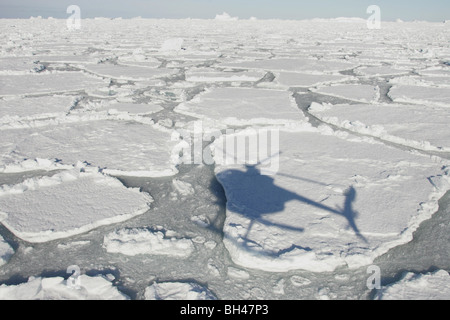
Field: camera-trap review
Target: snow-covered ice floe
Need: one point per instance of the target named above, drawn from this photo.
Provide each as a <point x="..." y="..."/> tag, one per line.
<point x="5" y="249"/>
<point x="46" y="83"/>
<point x="303" y="65"/>
<point x="243" y="106"/>
<point x="333" y="201"/>
<point x="295" y="79"/>
<point x="137" y="241"/>
<point x="56" y="288"/>
<point x="208" y="75"/>
<point x="128" y="72"/>
<point x="177" y="291"/>
<point x="145" y="150"/>
<point x="29" y="109"/>
<point x="68" y="203"/>
<point x="412" y="286"/>
<point x="416" y="126"/>
<point x="424" y="95"/>
<point x="356" y="92"/>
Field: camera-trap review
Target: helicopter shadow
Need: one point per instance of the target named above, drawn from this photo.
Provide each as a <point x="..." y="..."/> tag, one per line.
<point x="256" y="196"/>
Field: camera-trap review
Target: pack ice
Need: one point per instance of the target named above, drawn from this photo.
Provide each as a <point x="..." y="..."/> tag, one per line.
<point x="146" y="150"/>
<point x="56" y="288"/>
<point x="177" y="291"/>
<point x="243" y="106"/>
<point x="333" y="201"/>
<point x="5" y="249"/>
<point x="412" y="286"/>
<point x="419" y="126"/>
<point x="68" y="203"/>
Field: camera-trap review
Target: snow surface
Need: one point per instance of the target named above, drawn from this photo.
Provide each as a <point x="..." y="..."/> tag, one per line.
<point x="32" y="84"/>
<point x="177" y="291"/>
<point x="146" y="241"/>
<point x="345" y="204"/>
<point x="242" y="106"/>
<point x="68" y="203"/>
<point x="357" y="92"/>
<point x="417" y="126"/>
<point x="143" y="151"/>
<point x="16" y="109"/>
<point x="412" y="286"/>
<point x="56" y="288"/>
<point x="421" y="95"/>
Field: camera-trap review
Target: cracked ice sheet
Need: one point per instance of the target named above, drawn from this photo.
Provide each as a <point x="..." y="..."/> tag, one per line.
<point x="243" y="106"/>
<point x="304" y="217"/>
<point x="128" y="72"/>
<point x="32" y="108"/>
<point x="295" y="79"/>
<point x="45" y="83"/>
<point x="421" y="95"/>
<point x="431" y="286"/>
<point x="56" y="288"/>
<point x="68" y="203"/>
<point x="208" y="75"/>
<point x="411" y="125"/>
<point x="131" y="108"/>
<point x="303" y="65"/>
<point x="19" y="65"/>
<point x="145" y="150"/>
<point x="355" y="92"/>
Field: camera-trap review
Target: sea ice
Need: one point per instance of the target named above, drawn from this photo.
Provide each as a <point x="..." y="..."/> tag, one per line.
<point x="356" y="92"/>
<point x="412" y="286"/>
<point x="19" y="65"/>
<point x="295" y="79"/>
<point x="412" y="125"/>
<point x="146" y="150"/>
<point x="243" y="106"/>
<point x="128" y="72"/>
<point x="5" y="249"/>
<point x="137" y="241"/>
<point x="208" y="75"/>
<point x="303" y="65"/>
<point x="177" y="291"/>
<point x="421" y="95"/>
<point x="31" y="108"/>
<point x="131" y="108"/>
<point x="68" y="203"/>
<point x="41" y="83"/>
<point x="333" y="201"/>
<point x="56" y="288"/>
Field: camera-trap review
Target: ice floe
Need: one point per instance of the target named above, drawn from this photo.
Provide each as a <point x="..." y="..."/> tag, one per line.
<point x="295" y="79"/>
<point x="177" y="291"/>
<point x="244" y="106"/>
<point x="332" y="202"/>
<point x="421" y="95"/>
<point x="356" y="92"/>
<point x="416" y="126"/>
<point x="5" y="249"/>
<point x="128" y="72"/>
<point x="32" y="108"/>
<point x="145" y="150"/>
<point x="68" y="203"/>
<point x="45" y="83"/>
<point x="137" y="241"/>
<point x="57" y="288"/>
<point x="412" y="286"/>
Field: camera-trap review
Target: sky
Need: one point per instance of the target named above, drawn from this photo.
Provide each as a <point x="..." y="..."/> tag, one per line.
<point x="407" y="10"/>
